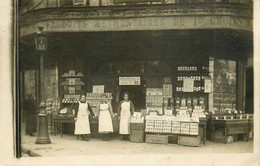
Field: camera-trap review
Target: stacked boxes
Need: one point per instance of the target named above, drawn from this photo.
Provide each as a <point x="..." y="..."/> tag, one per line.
<point x="149" y="125"/>
<point x="173" y="125"/>
<point x="167" y="90"/>
<point x="185" y="128"/>
<point x="167" y="127"/>
<point x="154" y="100"/>
<point x="176" y="127"/>
<point x="198" y="111"/>
<point x="194" y="129"/>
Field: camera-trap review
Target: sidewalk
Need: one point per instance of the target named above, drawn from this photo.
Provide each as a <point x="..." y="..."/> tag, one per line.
<point x="69" y="145"/>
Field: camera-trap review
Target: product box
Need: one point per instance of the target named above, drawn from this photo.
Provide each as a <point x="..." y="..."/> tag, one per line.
<point x="156" y="138"/>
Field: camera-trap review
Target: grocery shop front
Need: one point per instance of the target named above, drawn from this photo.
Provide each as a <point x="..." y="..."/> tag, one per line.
<point x="179" y="66"/>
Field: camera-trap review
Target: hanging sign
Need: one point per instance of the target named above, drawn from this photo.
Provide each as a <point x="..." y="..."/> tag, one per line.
<point x="188" y="85"/>
<point x="129" y="81"/>
<point x="207" y="86"/>
<point x="98" y="89"/>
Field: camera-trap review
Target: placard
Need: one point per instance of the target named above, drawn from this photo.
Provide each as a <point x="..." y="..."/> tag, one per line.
<point x="129" y="80"/>
<point x="98" y="89"/>
<point x="188" y="85"/>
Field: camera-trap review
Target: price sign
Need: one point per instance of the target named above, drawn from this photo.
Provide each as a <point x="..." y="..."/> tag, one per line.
<point x="98" y="88"/>
<point x="188" y="85"/>
<point x="129" y="81"/>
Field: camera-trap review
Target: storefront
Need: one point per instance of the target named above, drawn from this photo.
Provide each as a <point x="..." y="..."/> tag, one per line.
<point x="181" y="74"/>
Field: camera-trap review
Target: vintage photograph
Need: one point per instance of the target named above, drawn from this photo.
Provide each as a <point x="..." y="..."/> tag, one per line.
<point x="123" y="77"/>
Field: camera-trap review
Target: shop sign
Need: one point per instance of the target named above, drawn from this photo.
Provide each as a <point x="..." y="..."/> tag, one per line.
<point x="129" y="81"/>
<point x="98" y="89"/>
<point x="139" y="23"/>
<point x="188" y="85"/>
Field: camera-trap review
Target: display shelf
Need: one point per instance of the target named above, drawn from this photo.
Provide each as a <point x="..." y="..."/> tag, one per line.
<point x="66" y="83"/>
<point x="72" y="76"/>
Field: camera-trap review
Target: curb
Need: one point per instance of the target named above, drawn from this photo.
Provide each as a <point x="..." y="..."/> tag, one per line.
<point x="30" y="153"/>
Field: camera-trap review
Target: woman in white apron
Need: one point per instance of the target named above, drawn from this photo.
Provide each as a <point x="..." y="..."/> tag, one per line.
<point x="125" y="111"/>
<point x="82" y="126"/>
<point x="105" y="114"/>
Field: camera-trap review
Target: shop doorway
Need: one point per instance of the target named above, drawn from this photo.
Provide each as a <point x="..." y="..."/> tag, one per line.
<point x="136" y="95"/>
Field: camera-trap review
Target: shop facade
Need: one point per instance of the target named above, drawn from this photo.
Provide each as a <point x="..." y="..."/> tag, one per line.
<point x="173" y="59"/>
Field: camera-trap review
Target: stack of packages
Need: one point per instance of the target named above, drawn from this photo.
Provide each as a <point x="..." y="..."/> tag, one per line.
<point x="183" y="112"/>
<point x="169" y="126"/>
<point x="154" y="100"/>
<point x="198" y="111"/>
<point x="137" y="128"/>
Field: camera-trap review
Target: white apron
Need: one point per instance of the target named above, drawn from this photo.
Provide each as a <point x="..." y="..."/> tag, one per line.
<point x="105" y="120"/>
<point x="125" y="118"/>
<point x="82" y="123"/>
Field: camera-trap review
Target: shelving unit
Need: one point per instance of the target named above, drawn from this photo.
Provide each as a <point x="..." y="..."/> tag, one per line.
<point x="71" y="89"/>
<point x="191" y="70"/>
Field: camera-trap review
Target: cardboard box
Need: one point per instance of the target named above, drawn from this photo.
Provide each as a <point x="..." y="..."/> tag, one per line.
<point x="156" y="138"/>
<point x="189" y="141"/>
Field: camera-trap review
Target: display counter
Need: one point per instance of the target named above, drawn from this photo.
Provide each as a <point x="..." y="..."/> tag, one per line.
<point x="231" y="127"/>
<point x="59" y="122"/>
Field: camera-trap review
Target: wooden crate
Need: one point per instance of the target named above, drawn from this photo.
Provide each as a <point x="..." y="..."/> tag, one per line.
<point x="189" y="140"/>
<point x="137" y="136"/>
<point x="137" y="126"/>
<point x="156" y="138"/>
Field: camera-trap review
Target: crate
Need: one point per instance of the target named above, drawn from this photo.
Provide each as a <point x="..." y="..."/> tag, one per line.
<point x="156" y="138"/>
<point x="173" y="139"/>
<point x="136" y="126"/>
<point x="189" y="141"/>
<point x="137" y="136"/>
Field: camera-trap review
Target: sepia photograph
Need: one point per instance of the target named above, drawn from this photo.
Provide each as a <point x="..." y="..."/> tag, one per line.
<point x="133" y="77"/>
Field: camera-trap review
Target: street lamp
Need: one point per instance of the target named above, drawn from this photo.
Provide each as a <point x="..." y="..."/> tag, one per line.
<point x="41" y="47"/>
